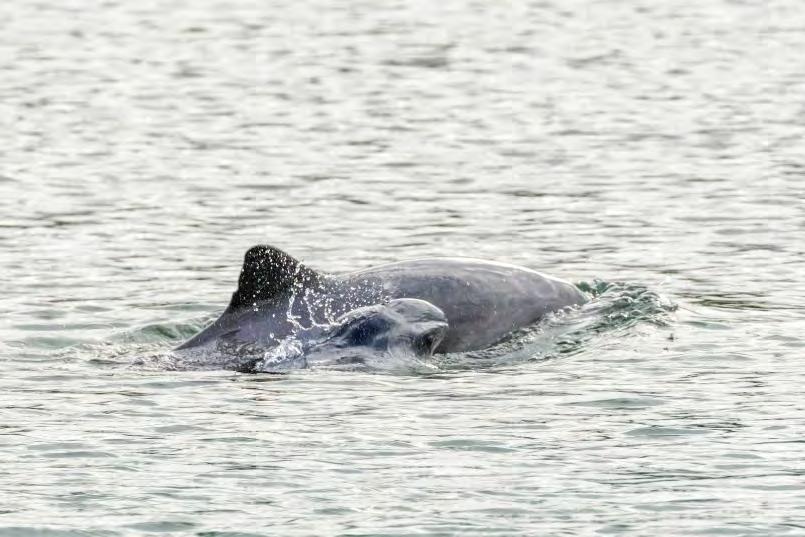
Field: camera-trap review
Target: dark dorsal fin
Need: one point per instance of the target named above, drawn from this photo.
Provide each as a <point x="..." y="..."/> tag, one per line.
<point x="267" y="273"/>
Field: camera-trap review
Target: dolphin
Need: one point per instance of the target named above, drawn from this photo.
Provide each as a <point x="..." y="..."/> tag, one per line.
<point x="377" y="337"/>
<point x="278" y="298"/>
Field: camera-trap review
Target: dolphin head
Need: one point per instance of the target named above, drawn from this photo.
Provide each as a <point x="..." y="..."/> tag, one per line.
<point x="401" y="326"/>
<point x="380" y="336"/>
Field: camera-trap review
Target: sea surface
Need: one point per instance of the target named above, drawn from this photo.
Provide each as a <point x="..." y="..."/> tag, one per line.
<point x="651" y="152"/>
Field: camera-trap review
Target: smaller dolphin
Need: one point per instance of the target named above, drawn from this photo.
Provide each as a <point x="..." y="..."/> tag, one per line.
<point x="372" y="336"/>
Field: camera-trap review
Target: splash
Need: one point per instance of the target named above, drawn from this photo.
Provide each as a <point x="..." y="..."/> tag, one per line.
<point x="287" y="356"/>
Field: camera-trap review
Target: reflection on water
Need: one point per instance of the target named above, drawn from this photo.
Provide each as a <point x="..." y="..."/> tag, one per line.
<point x="657" y="148"/>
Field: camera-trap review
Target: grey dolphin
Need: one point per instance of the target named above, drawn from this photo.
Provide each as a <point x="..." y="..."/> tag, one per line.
<point x="277" y="296"/>
<point x="371" y="336"/>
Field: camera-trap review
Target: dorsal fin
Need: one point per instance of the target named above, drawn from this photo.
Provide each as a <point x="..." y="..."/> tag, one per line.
<point x="267" y="273"/>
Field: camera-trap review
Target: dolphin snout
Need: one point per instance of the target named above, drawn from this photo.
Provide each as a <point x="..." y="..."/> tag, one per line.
<point x="430" y="338"/>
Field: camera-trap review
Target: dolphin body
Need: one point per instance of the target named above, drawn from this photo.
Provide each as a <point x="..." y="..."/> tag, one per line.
<point x="482" y="301"/>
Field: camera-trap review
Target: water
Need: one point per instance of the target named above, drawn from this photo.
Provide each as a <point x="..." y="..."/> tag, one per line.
<point x="656" y="147"/>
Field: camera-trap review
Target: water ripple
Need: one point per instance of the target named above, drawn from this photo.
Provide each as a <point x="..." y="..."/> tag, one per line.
<point x="650" y="151"/>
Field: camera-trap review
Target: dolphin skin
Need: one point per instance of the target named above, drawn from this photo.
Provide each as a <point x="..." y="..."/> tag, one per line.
<point x="481" y="301"/>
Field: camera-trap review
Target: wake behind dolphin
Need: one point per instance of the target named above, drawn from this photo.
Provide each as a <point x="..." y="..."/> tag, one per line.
<point x="285" y="315"/>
